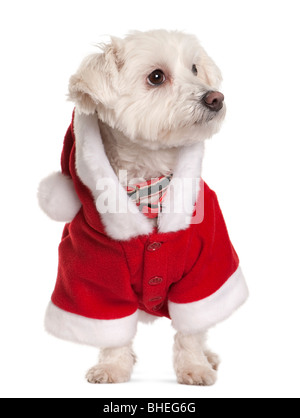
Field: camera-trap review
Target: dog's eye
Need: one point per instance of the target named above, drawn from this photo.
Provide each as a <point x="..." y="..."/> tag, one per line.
<point x="194" y="69"/>
<point x="156" y="78"/>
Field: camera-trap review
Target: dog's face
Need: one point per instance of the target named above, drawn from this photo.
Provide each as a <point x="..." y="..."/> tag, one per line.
<point x="158" y="87"/>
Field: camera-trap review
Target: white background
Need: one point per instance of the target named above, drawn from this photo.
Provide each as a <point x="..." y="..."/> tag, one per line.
<point x="252" y="164"/>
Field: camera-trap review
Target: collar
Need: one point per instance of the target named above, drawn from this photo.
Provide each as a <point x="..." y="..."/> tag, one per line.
<point x="93" y="166"/>
<point x="149" y="195"/>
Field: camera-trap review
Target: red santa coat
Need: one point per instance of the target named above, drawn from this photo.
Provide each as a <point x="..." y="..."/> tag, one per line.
<point x="114" y="265"/>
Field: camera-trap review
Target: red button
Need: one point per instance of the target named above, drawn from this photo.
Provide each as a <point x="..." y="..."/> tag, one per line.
<point x="155" y="280"/>
<point x="154" y="246"/>
<point x="157" y="307"/>
<point x="155" y="299"/>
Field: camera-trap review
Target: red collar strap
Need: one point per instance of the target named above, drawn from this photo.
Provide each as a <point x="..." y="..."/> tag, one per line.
<point x="149" y="195"/>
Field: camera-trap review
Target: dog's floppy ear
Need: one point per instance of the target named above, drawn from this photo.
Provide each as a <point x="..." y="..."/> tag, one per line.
<point x="95" y="81"/>
<point x="210" y="72"/>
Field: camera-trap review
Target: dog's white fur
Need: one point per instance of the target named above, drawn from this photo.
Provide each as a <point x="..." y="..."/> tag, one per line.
<point x="194" y="364"/>
<point x="115" y="365"/>
<point x="144" y="128"/>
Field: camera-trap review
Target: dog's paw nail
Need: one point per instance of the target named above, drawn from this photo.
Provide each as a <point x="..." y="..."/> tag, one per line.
<point x="197" y="375"/>
<point x="213" y="359"/>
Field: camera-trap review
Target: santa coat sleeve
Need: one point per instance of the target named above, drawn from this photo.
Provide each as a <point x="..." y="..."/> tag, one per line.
<point x="215" y="286"/>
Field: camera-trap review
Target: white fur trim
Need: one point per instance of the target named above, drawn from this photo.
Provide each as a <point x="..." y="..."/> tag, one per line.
<point x="181" y="197"/>
<point x="94" y="332"/>
<point x="93" y="165"/>
<point x="57" y="197"/>
<point x="190" y="318"/>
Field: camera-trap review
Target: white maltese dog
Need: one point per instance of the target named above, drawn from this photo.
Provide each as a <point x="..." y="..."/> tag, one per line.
<point x="144" y="235"/>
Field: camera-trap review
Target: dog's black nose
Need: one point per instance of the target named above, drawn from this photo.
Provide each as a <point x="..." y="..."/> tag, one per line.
<point x="214" y="100"/>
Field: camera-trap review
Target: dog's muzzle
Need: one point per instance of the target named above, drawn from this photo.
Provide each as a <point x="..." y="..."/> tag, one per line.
<point x="213" y="100"/>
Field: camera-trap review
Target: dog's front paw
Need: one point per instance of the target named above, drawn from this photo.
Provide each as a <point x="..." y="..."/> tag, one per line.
<point x="202" y="375"/>
<point x="108" y="373"/>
